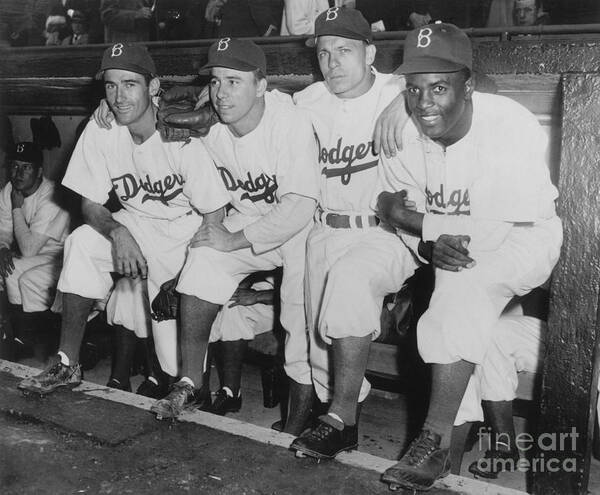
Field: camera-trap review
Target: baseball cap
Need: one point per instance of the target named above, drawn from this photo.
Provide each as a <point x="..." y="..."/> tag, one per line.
<point x="342" y="22"/>
<point x="438" y="47"/>
<point x="238" y="54"/>
<point x="127" y="56"/>
<point x="26" y="151"/>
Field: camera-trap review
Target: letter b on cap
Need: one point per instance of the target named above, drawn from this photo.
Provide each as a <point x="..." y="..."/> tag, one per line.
<point x="424" y="38"/>
<point x="223" y="44"/>
<point x="117" y="50"/>
<point x="20" y="148"/>
<point x="332" y="14"/>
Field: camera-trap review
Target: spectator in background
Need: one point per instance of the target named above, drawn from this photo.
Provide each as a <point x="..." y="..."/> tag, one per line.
<point x="80" y="28"/>
<point x="88" y="12"/>
<point x="243" y="18"/>
<point x="58" y="28"/>
<point x="299" y="15"/>
<point x="126" y="20"/>
<point x="529" y="13"/>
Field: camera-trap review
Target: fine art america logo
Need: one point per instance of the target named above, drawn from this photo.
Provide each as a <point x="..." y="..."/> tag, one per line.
<point x="547" y="453"/>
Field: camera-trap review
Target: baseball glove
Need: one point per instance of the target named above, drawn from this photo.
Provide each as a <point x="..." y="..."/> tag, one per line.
<point x="185" y="112"/>
<point x="166" y="303"/>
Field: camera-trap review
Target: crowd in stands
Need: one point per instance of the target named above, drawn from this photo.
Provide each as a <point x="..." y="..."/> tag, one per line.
<point x="80" y="22"/>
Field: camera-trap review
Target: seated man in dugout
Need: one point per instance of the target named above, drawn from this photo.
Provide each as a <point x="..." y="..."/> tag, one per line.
<point x="167" y="190"/>
<point x="33" y="228"/>
<point x="474" y="165"/>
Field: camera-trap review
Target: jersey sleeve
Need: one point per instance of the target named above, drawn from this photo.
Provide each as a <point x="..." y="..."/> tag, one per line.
<point x="87" y="173"/>
<point x="203" y="185"/>
<point x="394" y="175"/>
<point x="297" y="170"/>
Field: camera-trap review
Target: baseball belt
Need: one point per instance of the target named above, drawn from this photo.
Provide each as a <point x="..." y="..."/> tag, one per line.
<point x="338" y="221"/>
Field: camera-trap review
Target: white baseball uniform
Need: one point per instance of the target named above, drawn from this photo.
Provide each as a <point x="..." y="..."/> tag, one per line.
<point x="275" y="159"/>
<point x="33" y="281"/>
<point x="494" y="186"/>
<point x="349" y="270"/>
<point x="162" y="187"/>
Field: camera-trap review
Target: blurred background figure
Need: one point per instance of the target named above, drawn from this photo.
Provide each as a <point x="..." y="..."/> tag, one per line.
<point x="58" y="25"/>
<point x="529" y="13"/>
<point x="243" y="18"/>
<point x="181" y="19"/>
<point x="127" y="20"/>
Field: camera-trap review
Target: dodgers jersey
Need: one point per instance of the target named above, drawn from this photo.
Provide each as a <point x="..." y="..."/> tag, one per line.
<point x="153" y="179"/>
<point x="494" y="177"/>
<point x="275" y="158"/>
<point x="348" y="165"/>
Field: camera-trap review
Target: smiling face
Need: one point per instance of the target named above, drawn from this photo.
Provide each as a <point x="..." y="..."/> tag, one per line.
<point x="25" y="177"/>
<point x="346" y="65"/>
<point x="441" y="104"/>
<point x="130" y="97"/>
<point x="238" y="98"/>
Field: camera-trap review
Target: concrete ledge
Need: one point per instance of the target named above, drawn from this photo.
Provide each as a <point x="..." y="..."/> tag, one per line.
<point x="455" y="484"/>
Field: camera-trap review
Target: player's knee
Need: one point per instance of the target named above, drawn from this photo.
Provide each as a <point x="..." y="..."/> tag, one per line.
<point x="81" y="238"/>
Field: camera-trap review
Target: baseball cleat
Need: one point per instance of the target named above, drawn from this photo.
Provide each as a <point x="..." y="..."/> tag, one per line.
<point x="55" y="376"/>
<point x="325" y="441"/>
<point x="423" y="463"/>
<point x="182" y="397"/>
<point x="494" y="462"/>
<point x="224" y="404"/>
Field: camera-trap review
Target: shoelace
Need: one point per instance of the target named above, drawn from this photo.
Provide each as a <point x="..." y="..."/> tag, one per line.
<point x="322" y="431"/>
<point x="420" y="450"/>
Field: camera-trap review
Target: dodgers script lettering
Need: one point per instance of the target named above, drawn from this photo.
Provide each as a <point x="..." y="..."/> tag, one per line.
<point x="346" y="155"/>
<point x="163" y="190"/>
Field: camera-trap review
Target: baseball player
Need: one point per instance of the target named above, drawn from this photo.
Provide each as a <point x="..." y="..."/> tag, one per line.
<point x="264" y="150"/>
<point x="33" y="223"/>
<point x="352" y="263"/>
<point x="474" y="163"/>
<point x="162" y="187"/>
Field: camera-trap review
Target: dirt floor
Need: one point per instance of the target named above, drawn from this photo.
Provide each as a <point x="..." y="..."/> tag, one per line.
<point x="72" y="443"/>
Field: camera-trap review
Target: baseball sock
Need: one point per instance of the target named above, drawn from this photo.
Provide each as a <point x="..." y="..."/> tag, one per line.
<point x="197" y="317"/>
<point x="499" y="414"/>
<point x="125" y="343"/>
<point x="350" y="355"/>
<point x="448" y="385"/>
<point x="232" y="355"/>
<point x="74" y="317"/>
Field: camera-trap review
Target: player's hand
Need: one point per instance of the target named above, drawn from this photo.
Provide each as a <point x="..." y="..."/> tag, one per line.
<point x="16" y="198"/>
<point x="450" y="253"/>
<point x="7" y="264"/>
<point x="103" y="115"/>
<point x="391" y="206"/>
<point x="127" y="255"/>
<point x="213" y="235"/>
<point x="244" y="297"/>
<point x="388" y="128"/>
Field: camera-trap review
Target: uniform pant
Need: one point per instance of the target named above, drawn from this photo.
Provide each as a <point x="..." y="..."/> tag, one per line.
<point x="33" y="281"/>
<point x="243" y="322"/>
<point x="465" y="306"/>
<point x="214" y="276"/>
<point x="348" y="274"/>
<point x="88" y="263"/>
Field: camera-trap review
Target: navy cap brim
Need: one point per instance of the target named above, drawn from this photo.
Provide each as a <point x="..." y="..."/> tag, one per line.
<point x="229" y="64"/>
<point x="133" y="68"/>
<point x="351" y="35"/>
<point x="424" y="65"/>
